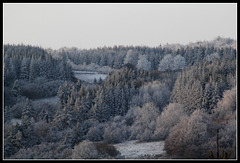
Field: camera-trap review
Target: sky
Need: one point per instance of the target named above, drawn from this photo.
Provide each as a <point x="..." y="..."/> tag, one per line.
<point x="85" y="25"/>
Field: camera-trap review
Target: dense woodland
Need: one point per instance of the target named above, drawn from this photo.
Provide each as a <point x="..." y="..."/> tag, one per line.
<point x="180" y="94"/>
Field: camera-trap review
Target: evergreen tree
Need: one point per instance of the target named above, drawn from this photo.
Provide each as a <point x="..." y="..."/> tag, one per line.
<point x="24" y="73"/>
<point x="27" y="126"/>
<point x="13" y="141"/>
<point x="101" y="108"/>
<point x="16" y="90"/>
<point x="208" y="97"/>
<point x="100" y="81"/>
<point x="78" y="85"/>
<point x="216" y="95"/>
<point x="9" y="72"/>
<point x="32" y="70"/>
<point x="64" y="92"/>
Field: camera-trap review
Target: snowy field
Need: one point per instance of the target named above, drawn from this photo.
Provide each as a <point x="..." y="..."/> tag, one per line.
<point x="52" y="100"/>
<point x="89" y="76"/>
<point x="132" y="149"/>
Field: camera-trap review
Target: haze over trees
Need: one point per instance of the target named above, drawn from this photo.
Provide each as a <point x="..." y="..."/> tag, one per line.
<point x="173" y="93"/>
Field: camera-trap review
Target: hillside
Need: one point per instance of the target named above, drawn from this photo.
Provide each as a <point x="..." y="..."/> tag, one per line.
<point x="166" y="101"/>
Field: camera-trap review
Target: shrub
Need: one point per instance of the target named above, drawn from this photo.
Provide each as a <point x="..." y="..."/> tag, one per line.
<point x="85" y="150"/>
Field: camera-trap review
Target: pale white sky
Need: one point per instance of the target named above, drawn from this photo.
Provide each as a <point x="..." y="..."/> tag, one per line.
<point x="96" y="25"/>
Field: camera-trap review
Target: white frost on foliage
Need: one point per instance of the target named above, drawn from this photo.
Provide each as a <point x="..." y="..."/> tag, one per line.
<point x="143" y="63"/>
<point x="132" y="149"/>
<point x="210" y="57"/>
<point x="172" y="63"/>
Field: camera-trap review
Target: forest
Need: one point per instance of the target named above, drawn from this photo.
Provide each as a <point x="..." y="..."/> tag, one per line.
<point x="179" y="94"/>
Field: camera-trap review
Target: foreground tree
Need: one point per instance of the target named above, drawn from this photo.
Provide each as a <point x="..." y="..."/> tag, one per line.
<point x="189" y="138"/>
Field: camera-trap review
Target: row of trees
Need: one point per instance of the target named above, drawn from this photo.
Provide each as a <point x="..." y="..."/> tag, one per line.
<point x="29" y="63"/>
<point x="116" y="56"/>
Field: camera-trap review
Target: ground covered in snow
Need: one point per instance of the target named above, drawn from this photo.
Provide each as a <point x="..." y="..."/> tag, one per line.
<point x="51" y="100"/>
<point x="89" y="76"/>
<point x="133" y="149"/>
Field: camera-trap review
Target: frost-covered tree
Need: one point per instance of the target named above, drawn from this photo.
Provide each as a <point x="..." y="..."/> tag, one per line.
<point x="95" y="133"/>
<point x="64" y="92"/>
<point x="212" y="56"/>
<point x="179" y="62"/>
<point x="10" y="72"/>
<point x="16" y="90"/>
<point x="187" y="91"/>
<point x="115" y="131"/>
<point x="28" y="109"/>
<point x="225" y="118"/>
<point x="167" y="63"/>
<point x="172" y="63"/>
<point x="208" y="97"/>
<point x="226" y="107"/>
<point x="27" y="126"/>
<point x="144" y="125"/>
<point x="101" y="110"/>
<point x="189" y="138"/>
<point x="155" y="92"/>
<point x="131" y="58"/>
<point x="143" y="63"/>
<point x="80" y="131"/>
<point x="12" y="139"/>
<point x="65" y="118"/>
<point x="24" y="73"/>
<point x="169" y="117"/>
<point x="32" y="70"/>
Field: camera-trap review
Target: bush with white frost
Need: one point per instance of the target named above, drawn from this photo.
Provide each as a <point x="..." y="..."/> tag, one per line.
<point x="85" y="150"/>
<point x="226" y="107"/>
